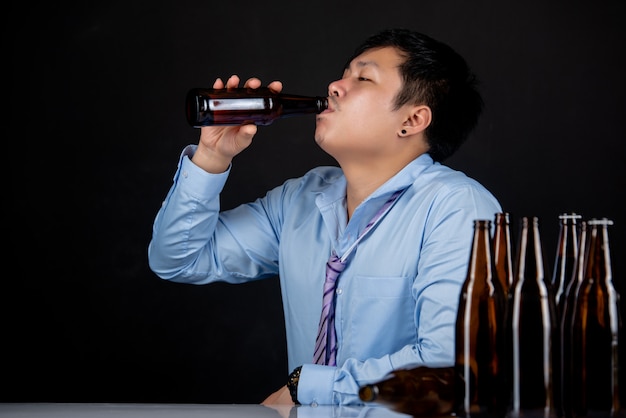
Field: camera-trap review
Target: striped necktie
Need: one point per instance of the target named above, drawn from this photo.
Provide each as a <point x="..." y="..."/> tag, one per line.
<point x="326" y="342"/>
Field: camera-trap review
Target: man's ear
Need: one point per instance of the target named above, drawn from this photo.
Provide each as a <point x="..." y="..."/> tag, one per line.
<point x="417" y="120"/>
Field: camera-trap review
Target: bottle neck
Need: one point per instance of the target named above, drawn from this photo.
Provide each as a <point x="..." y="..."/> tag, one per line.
<point x="298" y="105"/>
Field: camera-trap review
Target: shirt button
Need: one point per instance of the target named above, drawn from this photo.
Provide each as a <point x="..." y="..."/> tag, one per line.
<point x="339" y="291"/>
<point x="185" y="174"/>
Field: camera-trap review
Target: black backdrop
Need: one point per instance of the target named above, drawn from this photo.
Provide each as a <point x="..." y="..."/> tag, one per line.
<point x="97" y="124"/>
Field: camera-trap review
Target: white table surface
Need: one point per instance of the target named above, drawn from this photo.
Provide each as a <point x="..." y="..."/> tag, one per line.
<point x="128" y="410"/>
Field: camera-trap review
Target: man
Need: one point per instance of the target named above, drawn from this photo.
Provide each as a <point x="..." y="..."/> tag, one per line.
<point x="405" y="103"/>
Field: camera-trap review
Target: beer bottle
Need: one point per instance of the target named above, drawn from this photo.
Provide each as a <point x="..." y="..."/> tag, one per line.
<point x="562" y="274"/>
<point x="420" y="391"/>
<point x="569" y="302"/>
<point x="502" y="250"/>
<point x="532" y="327"/>
<point x="479" y="333"/>
<point x="238" y="106"/>
<point x="596" y="325"/>
<point x="565" y="259"/>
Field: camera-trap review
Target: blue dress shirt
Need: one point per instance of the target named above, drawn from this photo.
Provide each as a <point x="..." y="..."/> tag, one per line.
<point x="396" y="300"/>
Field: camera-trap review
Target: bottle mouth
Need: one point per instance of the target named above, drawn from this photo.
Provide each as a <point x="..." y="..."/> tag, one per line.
<point x="324" y="104"/>
<point x="368" y="393"/>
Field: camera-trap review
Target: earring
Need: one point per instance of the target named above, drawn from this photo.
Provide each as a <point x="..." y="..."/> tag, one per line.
<point x="403" y="132"/>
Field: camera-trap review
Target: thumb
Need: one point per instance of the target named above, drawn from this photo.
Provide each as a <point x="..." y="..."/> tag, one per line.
<point x="244" y="136"/>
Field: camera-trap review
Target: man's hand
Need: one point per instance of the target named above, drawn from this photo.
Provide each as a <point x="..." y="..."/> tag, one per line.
<point x="280" y="401"/>
<point x="219" y="144"/>
<point x="280" y="397"/>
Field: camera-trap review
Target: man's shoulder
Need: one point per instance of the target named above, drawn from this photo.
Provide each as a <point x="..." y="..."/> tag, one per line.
<point x="450" y="181"/>
<point x="450" y="176"/>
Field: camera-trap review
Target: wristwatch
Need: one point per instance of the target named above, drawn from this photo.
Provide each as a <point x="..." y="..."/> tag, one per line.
<point x="292" y="384"/>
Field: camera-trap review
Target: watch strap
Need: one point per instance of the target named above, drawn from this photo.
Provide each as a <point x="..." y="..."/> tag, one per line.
<point x="292" y="384"/>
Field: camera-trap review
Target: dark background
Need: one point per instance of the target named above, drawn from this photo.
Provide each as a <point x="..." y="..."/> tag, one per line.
<point x="97" y="124"/>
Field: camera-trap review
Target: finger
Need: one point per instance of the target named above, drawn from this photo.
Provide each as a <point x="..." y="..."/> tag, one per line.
<point x="218" y="84"/>
<point x="253" y="83"/>
<point x="233" y="81"/>
<point x="248" y="130"/>
<point x="276" y="85"/>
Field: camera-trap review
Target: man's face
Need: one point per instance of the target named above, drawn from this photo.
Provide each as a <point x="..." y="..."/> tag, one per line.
<point x="360" y="122"/>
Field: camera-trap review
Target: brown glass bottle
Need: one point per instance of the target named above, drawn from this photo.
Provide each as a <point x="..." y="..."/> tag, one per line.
<point x="420" y="391"/>
<point x="596" y="325"/>
<point x="479" y="333"/>
<point x="502" y="250"/>
<point x="238" y="106"/>
<point x="531" y="325"/>
<point x="569" y="301"/>
<point x="562" y="274"/>
<point x="566" y="256"/>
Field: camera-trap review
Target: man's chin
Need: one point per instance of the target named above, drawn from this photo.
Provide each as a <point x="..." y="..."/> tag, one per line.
<point x="319" y="137"/>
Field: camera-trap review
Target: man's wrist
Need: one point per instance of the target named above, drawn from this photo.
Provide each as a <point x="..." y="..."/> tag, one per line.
<point x="209" y="160"/>
<point x="292" y="384"/>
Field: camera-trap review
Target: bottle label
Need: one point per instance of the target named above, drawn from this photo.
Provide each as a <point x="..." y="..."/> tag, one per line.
<point x="253" y="103"/>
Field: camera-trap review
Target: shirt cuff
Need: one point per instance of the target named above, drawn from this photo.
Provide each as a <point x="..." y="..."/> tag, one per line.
<point x="195" y="181"/>
<point x="315" y="386"/>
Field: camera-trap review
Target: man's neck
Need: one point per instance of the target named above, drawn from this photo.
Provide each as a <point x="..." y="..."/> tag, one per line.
<point x="365" y="175"/>
<point x="362" y="181"/>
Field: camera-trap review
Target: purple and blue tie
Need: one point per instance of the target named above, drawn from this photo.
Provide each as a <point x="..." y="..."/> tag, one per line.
<point x="326" y="343"/>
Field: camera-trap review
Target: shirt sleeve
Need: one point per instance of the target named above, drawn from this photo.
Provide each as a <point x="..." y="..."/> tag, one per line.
<point x="192" y="242"/>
